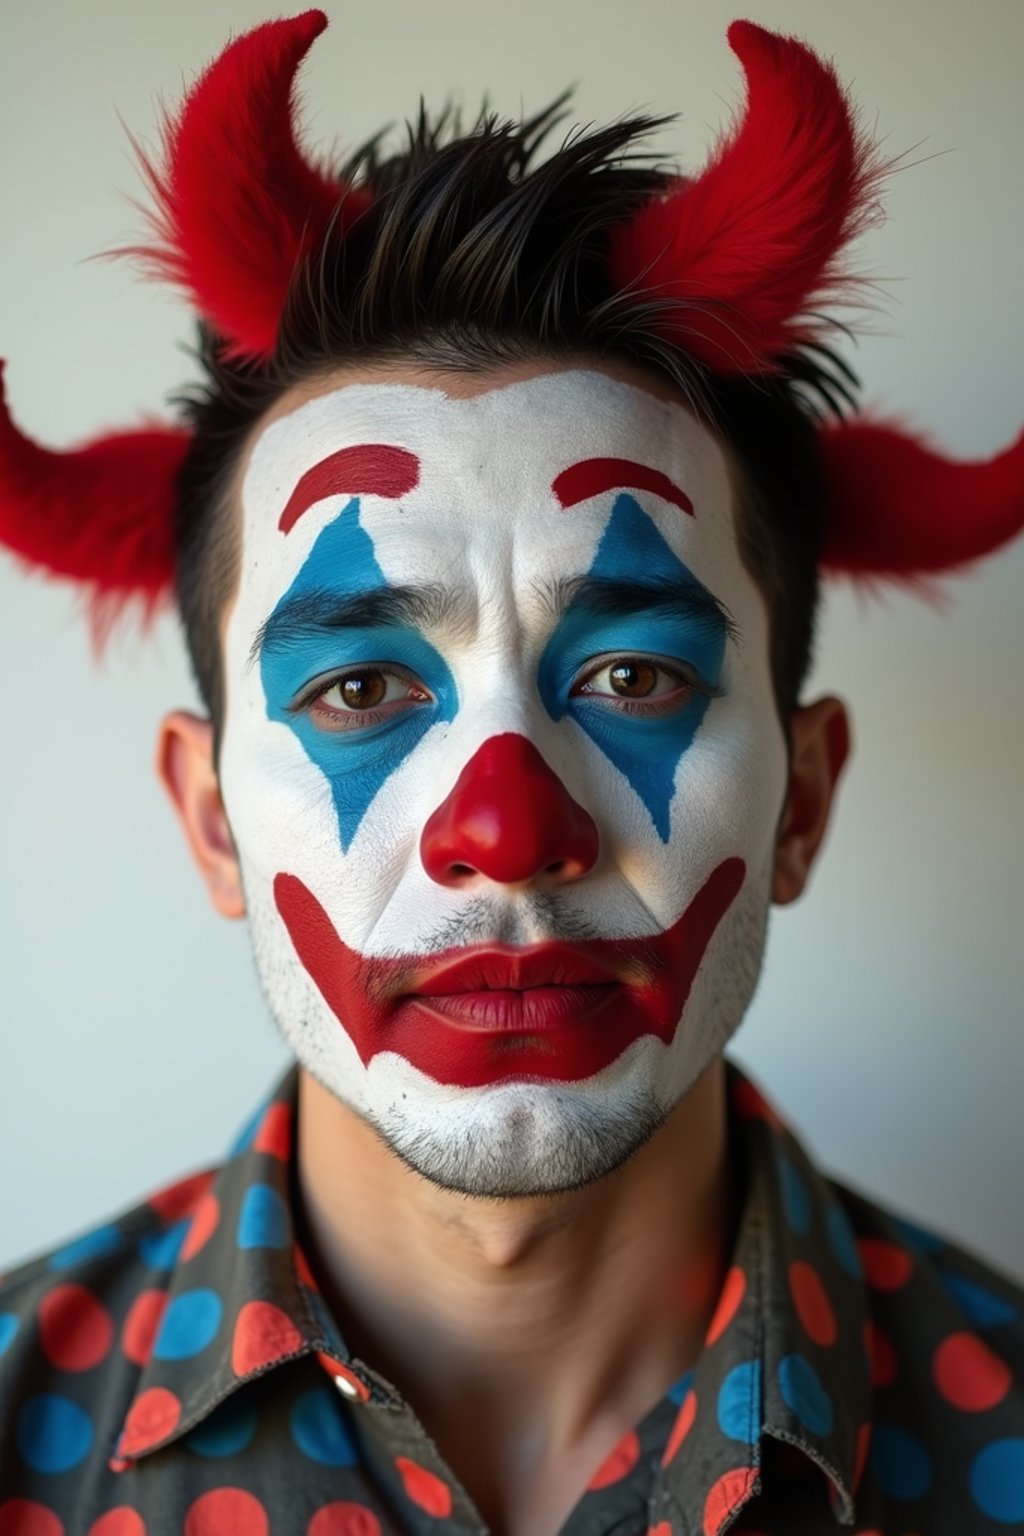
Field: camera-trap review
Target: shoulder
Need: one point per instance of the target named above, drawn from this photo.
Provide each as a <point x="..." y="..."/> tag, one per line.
<point x="77" y="1326"/>
<point x="944" y="1338"/>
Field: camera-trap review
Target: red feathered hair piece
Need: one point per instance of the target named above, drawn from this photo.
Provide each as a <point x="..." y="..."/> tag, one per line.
<point x="748" y="249"/>
<point x="237" y="204"/>
<point x="102" y="513"/>
<point x="897" y="508"/>
<point x="752" y="245"/>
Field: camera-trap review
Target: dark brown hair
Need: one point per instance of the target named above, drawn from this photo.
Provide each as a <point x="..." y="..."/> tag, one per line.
<point x="472" y="256"/>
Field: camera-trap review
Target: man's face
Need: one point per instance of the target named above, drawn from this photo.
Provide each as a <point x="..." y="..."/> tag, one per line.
<point x="501" y="761"/>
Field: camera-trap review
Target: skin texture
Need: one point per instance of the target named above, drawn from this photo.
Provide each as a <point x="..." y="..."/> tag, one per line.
<point x="565" y="1299"/>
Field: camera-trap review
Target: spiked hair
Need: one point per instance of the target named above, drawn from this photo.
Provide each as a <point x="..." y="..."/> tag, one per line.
<point x="464" y="251"/>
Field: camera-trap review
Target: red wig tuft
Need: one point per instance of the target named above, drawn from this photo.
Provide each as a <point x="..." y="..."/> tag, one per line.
<point x="896" y="508"/>
<point x="102" y="513"/>
<point x="751" y="246"/>
<point x="237" y="204"/>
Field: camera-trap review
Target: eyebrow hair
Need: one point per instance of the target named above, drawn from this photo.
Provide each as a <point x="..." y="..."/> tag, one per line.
<point x="323" y="611"/>
<point x="589" y="477"/>
<point x="614" y="597"/>
<point x="367" y="469"/>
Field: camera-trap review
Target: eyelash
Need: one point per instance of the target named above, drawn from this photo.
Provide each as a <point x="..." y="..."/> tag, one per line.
<point x="686" y="684"/>
<point x="311" y="702"/>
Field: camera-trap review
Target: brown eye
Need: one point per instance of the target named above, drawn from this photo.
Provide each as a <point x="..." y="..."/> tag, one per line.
<point x="362" y="690"/>
<point x="633" y="679"/>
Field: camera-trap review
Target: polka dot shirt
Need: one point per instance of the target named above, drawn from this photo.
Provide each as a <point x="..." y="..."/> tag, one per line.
<point x="176" y="1373"/>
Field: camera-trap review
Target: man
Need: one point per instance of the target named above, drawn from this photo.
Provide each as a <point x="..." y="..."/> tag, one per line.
<point x="495" y="536"/>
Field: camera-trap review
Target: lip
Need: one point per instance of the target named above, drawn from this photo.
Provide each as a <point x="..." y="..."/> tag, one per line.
<point x="525" y="991"/>
<point x="468" y="1018"/>
<point x="500" y="968"/>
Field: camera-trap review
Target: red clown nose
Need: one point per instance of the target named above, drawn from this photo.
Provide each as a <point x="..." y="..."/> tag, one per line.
<point x="510" y="818"/>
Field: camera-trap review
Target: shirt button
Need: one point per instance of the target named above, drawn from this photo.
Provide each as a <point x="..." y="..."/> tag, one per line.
<point x="346" y="1381"/>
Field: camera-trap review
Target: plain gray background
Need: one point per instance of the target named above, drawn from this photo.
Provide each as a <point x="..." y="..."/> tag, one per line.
<point x="888" y="1023"/>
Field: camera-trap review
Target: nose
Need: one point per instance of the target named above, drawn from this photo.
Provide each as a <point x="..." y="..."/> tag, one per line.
<point x="510" y="818"/>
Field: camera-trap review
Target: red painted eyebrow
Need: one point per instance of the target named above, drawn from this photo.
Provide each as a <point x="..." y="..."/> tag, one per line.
<point x="592" y="476"/>
<point x="366" y="469"/>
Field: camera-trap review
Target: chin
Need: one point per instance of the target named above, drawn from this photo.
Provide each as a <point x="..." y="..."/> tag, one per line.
<point x="519" y="1137"/>
<point x="522" y="1139"/>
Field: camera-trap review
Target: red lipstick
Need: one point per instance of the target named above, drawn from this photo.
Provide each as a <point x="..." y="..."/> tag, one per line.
<point x="556" y="1012"/>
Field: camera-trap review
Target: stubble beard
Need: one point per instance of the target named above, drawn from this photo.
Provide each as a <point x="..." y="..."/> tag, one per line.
<point x="519" y="1138"/>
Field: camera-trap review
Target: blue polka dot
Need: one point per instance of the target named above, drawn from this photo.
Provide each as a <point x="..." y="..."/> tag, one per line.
<point x="102" y="1240"/>
<point x="803" y="1393"/>
<point x="996" y="1481"/>
<point x="227" y="1431"/>
<point x="318" y="1428"/>
<point x="901" y="1463"/>
<point x="796" y="1201"/>
<point x="263" y="1220"/>
<point x="160" y="1249"/>
<point x="739" y="1402"/>
<point x="8" y="1328"/>
<point x="190" y="1322"/>
<point x="677" y="1392"/>
<point x="842" y="1241"/>
<point x="54" y="1434"/>
<point x="983" y="1307"/>
<point x="917" y="1239"/>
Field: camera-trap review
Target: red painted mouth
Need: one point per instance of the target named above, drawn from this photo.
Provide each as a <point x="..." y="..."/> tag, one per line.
<point x="553" y="1011"/>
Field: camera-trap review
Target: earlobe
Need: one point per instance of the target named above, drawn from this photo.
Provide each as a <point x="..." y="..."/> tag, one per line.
<point x="820" y="744"/>
<point x="185" y="767"/>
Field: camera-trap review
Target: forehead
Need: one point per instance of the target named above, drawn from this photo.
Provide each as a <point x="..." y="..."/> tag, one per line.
<point x="476" y="477"/>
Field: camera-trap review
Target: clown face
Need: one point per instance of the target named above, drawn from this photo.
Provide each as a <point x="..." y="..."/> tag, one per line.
<point x="501" y="762"/>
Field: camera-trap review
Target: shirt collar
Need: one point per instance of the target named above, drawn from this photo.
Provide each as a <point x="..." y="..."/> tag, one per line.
<point x="784" y="1374"/>
<point x="240" y="1298"/>
<point x="784" y="1362"/>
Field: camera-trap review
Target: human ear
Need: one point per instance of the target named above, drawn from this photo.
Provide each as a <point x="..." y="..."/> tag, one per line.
<point x="819" y="745"/>
<point x="185" y="766"/>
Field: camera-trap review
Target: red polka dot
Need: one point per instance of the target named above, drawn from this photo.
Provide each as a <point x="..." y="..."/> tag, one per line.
<point x="342" y="1373"/>
<point x="75" y="1328"/>
<point x="344" y="1519"/>
<point x="726" y="1495"/>
<point x="730" y="1491"/>
<point x="882" y="1361"/>
<point x="732" y="1294"/>
<point x="275" y="1132"/>
<point x="180" y="1200"/>
<point x="154" y="1414"/>
<point x="887" y="1267"/>
<point x="140" y="1326"/>
<point x="619" y="1464"/>
<point x="226" y="1509"/>
<point x="119" y="1522"/>
<point x="860" y="1457"/>
<point x="661" y="1529"/>
<point x="204" y="1225"/>
<point x="263" y="1335"/>
<point x="813" y="1307"/>
<point x="682" y="1426"/>
<point x="424" y="1489"/>
<point x="24" y="1517"/>
<point x="303" y="1273"/>
<point x="969" y="1375"/>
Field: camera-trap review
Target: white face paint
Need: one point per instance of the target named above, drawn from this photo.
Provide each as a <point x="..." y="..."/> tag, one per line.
<point x="503" y="778"/>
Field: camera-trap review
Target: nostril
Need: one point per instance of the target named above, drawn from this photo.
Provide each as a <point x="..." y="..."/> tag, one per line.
<point x="460" y="871"/>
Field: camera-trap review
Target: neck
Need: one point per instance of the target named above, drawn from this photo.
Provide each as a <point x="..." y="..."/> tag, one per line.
<point x="560" y="1319"/>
